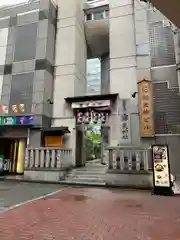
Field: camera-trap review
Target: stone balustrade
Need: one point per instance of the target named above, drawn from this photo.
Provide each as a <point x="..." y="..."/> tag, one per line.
<point x="129" y="159"/>
<point x="47" y="158"/>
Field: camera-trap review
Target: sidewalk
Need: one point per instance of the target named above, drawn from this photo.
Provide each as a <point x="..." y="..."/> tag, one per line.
<point x="94" y="214"/>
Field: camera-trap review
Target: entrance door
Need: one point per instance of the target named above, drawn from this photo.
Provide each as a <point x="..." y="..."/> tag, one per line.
<point x="12" y="150"/>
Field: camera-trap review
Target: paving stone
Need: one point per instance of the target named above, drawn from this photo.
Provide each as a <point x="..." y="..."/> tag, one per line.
<point x="94" y="214"/>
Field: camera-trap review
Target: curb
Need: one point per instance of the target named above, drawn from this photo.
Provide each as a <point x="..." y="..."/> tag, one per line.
<point x="110" y="186"/>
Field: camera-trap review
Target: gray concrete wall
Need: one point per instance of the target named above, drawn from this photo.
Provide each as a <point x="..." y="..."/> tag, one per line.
<point x="34" y="138"/>
<point x="44" y="176"/>
<point x="144" y="181"/>
<point x="123" y="78"/>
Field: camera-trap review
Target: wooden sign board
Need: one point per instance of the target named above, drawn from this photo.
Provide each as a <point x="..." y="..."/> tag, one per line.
<point x="53" y="141"/>
<point x="145" y="93"/>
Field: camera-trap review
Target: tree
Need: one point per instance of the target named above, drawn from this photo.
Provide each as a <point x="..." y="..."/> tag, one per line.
<point x="93" y="144"/>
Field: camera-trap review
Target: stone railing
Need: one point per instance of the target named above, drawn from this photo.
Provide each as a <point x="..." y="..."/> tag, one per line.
<point x="48" y="158"/>
<point x="130" y="159"/>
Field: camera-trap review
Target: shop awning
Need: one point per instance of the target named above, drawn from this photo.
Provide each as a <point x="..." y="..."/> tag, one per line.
<point x="55" y="131"/>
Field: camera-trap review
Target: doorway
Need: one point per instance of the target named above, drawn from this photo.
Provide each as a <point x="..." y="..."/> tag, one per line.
<point x="11" y="150"/>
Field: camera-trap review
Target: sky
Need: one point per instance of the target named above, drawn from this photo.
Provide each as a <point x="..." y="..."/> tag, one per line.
<point x="9" y="2"/>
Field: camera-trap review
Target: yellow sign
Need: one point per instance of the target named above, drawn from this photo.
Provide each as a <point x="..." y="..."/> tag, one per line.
<point x="145" y="94"/>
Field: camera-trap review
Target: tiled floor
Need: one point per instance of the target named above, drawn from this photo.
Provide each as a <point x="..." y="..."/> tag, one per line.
<point x="94" y="214"/>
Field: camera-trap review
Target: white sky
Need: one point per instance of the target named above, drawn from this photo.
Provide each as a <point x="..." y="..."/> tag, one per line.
<point x="10" y="2"/>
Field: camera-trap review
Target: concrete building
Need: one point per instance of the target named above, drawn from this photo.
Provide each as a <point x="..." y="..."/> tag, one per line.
<point x="44" y="49"/>
<point x="169" y="9"/>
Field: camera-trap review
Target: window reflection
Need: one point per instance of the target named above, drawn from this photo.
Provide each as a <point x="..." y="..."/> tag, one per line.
<point x="93" y="85"/>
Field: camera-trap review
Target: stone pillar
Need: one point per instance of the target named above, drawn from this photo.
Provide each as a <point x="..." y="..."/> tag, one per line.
<point x="105" y="74"/>
<point x="70" y="62"/>
<point x="21" y="155"/>
<point x="123" y="78"/>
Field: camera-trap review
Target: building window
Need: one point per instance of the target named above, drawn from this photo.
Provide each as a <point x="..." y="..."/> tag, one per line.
<point x="161" y="45"/>
<point x="21" y="94"/>
<point x="88" y="17"/>
<point x="107" y="13"/>
<point x="93" y="84"/>
<point x="7" y="69"/>
<point x="25" y="45"/>
<point x="98" y="15"/>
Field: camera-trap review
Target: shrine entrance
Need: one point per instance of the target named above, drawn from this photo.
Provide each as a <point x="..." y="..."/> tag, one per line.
<point x="92" y="127"/>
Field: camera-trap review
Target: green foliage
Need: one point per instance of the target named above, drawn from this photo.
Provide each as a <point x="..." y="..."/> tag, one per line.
<point x="94" y="137"/>
<point x="93" y="145"/>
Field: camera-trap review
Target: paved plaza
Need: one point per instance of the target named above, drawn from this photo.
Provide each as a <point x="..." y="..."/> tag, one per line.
<point x="86" y="214"/>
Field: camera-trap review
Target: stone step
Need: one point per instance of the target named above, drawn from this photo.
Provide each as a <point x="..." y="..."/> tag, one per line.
<point x="85" y="179"/>
<point x="85" y="176"/>
<point x="90" y="169"/>
<point x="83" y="183"/>
<point x="87" y="173"/>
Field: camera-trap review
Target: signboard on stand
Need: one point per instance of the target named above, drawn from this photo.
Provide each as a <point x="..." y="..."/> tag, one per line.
<point x="161" y="170"/>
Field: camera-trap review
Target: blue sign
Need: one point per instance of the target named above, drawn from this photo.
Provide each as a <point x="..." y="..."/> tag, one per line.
<point x="19" y="120"/>
<point x="25" y="120"/>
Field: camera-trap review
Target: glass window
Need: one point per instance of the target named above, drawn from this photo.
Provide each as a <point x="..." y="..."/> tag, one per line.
<point x="161" y="45"/>
<point x="93" y="76"/>
<point x="89" y="17"/>
<point x="25" y="45"/>
<point x="21" y="94"/>
<point x="143" y="49"/>
<point x="98" y="15"/>
<point x="107" y="13"/>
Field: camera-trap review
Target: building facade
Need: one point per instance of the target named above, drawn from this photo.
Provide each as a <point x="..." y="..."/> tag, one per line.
<point x="44" y="49"/>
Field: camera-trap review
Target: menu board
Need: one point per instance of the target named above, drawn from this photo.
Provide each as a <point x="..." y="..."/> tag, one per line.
<point x="161" y="166"/>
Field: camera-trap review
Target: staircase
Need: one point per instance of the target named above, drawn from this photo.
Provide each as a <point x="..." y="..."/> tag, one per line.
<point x="93" y="174"/>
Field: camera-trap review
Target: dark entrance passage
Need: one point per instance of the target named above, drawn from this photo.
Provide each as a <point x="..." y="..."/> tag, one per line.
<point x="91" y="110"/>
<point x="11" y="152"/>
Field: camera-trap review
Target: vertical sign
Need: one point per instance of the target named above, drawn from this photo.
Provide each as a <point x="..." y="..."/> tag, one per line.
<point x="123" y="112"/>
<point x="146" y="108"/>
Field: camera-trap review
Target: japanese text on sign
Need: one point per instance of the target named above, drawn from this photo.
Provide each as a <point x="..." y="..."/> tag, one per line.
<point x="146" y="108"/>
